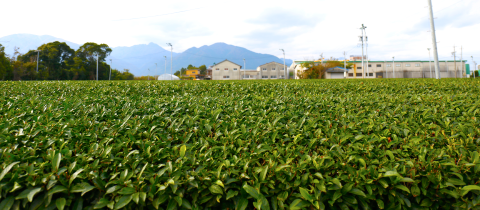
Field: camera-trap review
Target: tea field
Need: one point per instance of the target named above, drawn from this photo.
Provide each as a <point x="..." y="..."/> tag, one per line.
<point x="353" y="144"/>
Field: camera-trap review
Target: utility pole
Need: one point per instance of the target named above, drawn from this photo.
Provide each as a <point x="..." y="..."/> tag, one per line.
<point x="434" y="41"/>
<point x="363" y="49"/>
<point x="345" y="64"/>
<point x="97" y="66"/>
<point x="454" y="61"/>
<point x="366" y="48"/>
<point x="284" y="67"/>
<point x="171" y="63"/>
<point x="393" y="67"/>
<point x="38" y="55"/>
<point x="475" y="67"/>
<point x="430" y="63"/>
<point x="110" y="76"/>
<point x="244" y="68"/>
<point x="461" y="61"/>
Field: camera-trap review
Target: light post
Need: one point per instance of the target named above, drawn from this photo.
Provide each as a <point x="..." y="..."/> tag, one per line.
<point x="165" y="64"/>
<point x="171" y="64"/>
<point x="110" y="76"/>
<point x="97" y="65"/>
<point x="38" y="55"/>
<point x="366" y="47"/>
<point x="284" y="67"/>
<point x="475" y="67"/>
<point x="244" y="68"/>
<point x="363" y="49"/>
<point x="430" y="62"/>
<point x="434" y="41"/>
<point x="393" y="66"/>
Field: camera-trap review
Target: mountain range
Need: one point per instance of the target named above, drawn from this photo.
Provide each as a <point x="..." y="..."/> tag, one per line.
<point x="140" y="59"/>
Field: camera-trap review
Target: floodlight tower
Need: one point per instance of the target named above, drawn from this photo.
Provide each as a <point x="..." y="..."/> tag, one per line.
<point x="363" y="49"/>
<point x="165" y="64"/>
<point x="284" y="66"/>
<point x="393" y="67"/>
<point x="110" y="76"/>
<point x="430" y="62"/>
<point x="38" y="55"/>
<point x="244" y="68"/>
<point x="434" y="41"/>
<point x="366" y="46"/>
<point x="171" y="64"/>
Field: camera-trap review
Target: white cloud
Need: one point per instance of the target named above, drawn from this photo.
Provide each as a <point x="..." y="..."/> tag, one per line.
<point x="304" y="28"/>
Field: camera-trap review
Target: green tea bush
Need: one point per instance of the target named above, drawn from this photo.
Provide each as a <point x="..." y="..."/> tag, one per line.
<point x="363" y="144"/>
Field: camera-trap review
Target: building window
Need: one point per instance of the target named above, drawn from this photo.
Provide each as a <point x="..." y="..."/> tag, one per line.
<point x="282" y="76"/>
<point x="350" y="74"/>
<point x="217" y="69"/>
<point x="264" y="77"/>
<point x="417" y="65"/>
<point x="359" y="67"/>
<point x="273" y="77"/>
<point x="398" y="65"/>
<point x="379" y="65"/>
<point x="273" y="69"/>
<point x="369" y="65"/>
<point x="389" y="65"/>
<point x="235" y="69"/>
<point x="283" y="69"/>
<point x="226" y="69"/>
<point x="407" y="65"/>
<point x="226" y="77"/>
<point x="370" y="74"/>
<point x="359" y="74"/>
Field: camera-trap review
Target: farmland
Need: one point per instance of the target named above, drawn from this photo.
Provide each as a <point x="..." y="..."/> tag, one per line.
<point x="364" y="144"/>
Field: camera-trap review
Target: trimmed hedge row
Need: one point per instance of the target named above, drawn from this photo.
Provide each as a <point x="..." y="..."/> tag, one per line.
<point x="378" y="144"/>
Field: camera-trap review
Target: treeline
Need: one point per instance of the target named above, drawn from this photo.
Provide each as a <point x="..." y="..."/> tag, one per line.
<point x="57" y="61"/>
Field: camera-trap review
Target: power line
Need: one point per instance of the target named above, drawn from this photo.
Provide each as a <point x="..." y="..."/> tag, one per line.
<point x="159" y="15"/>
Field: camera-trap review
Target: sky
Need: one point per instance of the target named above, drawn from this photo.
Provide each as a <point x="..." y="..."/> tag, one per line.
<point x="304" y="28"/>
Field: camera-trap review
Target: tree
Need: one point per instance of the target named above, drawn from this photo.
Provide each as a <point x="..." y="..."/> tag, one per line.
<point x="54" y="60"/>
<point x="6" y="72"/>
<point x="203" y="69"/>
<point x="85" y="61"/>
<point x="124" y="75"/>
<point x="316" y="70"/>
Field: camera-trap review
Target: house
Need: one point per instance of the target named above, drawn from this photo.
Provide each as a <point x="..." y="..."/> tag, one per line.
<point x="407" y="69"/>
<point x="272" y="70"/>
<point x="336" y="73"/>
<point x="226" y="70"/>
<point x="194" y="74"/>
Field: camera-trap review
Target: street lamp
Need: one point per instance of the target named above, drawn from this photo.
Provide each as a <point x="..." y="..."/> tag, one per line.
<point x="430" y="62"/>
<point x="244" y="68"/>
<point x="475" y="67"/>
<point x="165" y="64"/>
<point x="38" y="55"/>
<point x="393" y="66"/>
<point x="110" y="76"/>
<point x="284" y="67"/>
<point x="171" y="64"/>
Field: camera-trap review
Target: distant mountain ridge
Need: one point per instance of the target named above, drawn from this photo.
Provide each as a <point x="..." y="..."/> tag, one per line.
<point x="139" y="59"/>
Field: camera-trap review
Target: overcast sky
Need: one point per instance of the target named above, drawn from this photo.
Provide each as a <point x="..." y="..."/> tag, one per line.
<point x="304" y="28"/>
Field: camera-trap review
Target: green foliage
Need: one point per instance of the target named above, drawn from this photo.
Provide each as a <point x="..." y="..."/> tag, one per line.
<point x="6" y="71"/>
<point x="310" y="144"/>
<point x="123" y="75"/>
<point x="57" y="61"/>
<point x="203" y="69"/>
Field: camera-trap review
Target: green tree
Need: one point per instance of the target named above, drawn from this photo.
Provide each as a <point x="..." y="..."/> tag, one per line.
<point x="124" y="75"/>
<point x="6" y="72"/>
<point x="203" y="69"/>
<point x="316" y="69"/>
<point x="54" y="60"/>
<point x="85" y="62"/>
